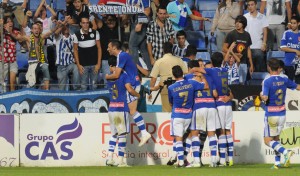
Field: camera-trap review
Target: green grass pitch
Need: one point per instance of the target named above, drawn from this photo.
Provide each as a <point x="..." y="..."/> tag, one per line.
<point x="237" y="170"/>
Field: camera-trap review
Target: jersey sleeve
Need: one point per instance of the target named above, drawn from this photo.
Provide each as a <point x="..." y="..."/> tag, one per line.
<point x="121" y="62"/>
<point x="97" y="35"/>
<point x="291" y="84"/>
<point x="75" y="38"/>
<point x="170" y="95"/>
<point x="283" y="42"/>
<point x="266" y="88"/>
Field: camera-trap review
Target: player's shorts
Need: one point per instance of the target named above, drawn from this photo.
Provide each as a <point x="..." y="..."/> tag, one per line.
<point x="179" y="126"/>
<point x="131" y="98"/>
<point x="204" y="119"/>
<point x="119" y="122"/>
<point x="224" y="118"/>
<point x="273" y="125"/>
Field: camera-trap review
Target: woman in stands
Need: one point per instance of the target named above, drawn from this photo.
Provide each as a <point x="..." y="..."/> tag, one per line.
<point x="11" y="36"/>
<point x="224" y="20"/>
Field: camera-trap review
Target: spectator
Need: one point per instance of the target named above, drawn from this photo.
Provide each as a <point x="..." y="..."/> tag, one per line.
<point x="137" y="39"/>
<point x="87" y="53"/>
<point x="276" y="16"/>
<point x="17" y="8"/>
<point x="79" y="10"/>
<point x="41" y="15"/>
<point x="232" y="63"/>
<point x="47" y="24"/>
<point x="108" y="30"/>
<point x="179" y="11"/>
<point x="290" y="45"/>
<point x="65" y="59"/>
<point x="159" y="31"/>
<point x="179" y="49"/>
<point x="191" y="52"/>
<point x="163" y="67"/>
<point x="258" y="29"/>
<point x="224" y="21"/>
<point x="37" y="60"/>
<point x="11" y="36"/>
<point x="243" y="42"/>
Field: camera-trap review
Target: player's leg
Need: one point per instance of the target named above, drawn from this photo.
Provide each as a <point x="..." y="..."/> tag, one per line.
<point x="222" y="138"/>
<point x="123" y="130"/>
<point x="211" y="133"/>
<point x="187" y="143"/>
<point x="197" y="124"/>
<point x="113" y="139"/>
<point x="178" y="128"/>
<point x="121" y="149"/>
<point x="229" y="138"/>
<point x="138" y="119"/>
<point x="202" y="137"/>
<point x="173" y="158"/>
<point x="196" y="148"/>
<point x="273" y="127"/>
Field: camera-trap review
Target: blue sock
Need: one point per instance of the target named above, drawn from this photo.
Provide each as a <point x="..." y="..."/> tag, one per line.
<point x="111" y="146"/>
<point x="187" y="146"/>
<point x="196" y="148"/>
<point x="179" y="149"/>
<point x="122" y="145"/>
<point x="277" y="147"/>
<point x="174" y="149"/>
<point x="230" y="147"/>
<point x="213" y="148"/>
<point x="139" y="121"/>
<point x="223" y="146"/>
<point x="277" y="158"/>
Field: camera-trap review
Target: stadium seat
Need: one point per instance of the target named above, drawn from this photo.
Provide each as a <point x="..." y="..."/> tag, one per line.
<point x="207" y="5"/>
<point x="257" y="78"/>
<point x="196" y="38"/>
<point x="93" y="2"/>
<point x="205" y="56"/>
<point x="276" y="54"/>
<point x="59" y="5"/>
<point x="34" y="4"/>
<point x="208" y="14"/>
<point x="190" y="3"/>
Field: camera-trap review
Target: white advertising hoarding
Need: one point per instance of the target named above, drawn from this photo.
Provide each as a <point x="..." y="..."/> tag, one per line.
<point x="9" y="140"/>
<point x="82" y="139"/>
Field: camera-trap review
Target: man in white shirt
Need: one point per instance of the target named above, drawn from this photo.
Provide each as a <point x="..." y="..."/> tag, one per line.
<point x="276" y="15"/>
<point x="258" y="29"/>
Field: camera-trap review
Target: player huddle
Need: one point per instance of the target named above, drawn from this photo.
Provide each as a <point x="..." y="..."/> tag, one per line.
<point x="201" y="104"/>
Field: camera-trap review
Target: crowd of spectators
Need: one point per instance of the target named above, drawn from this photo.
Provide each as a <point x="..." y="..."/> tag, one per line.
<point x="69" y="44"/>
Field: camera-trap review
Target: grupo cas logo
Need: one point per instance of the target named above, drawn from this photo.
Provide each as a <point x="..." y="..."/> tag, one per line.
<point x="290" y="136"/>
<point x="57" y="147"/>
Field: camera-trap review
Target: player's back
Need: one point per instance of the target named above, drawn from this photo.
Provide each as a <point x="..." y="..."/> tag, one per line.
<point x="181" y="95"/>
<point x="203" y="98"/>
<point x="125" y="61"/>
<point x="219" y="77"/>
<point x="275" y="88"/>
<point x="118" y="92"/>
